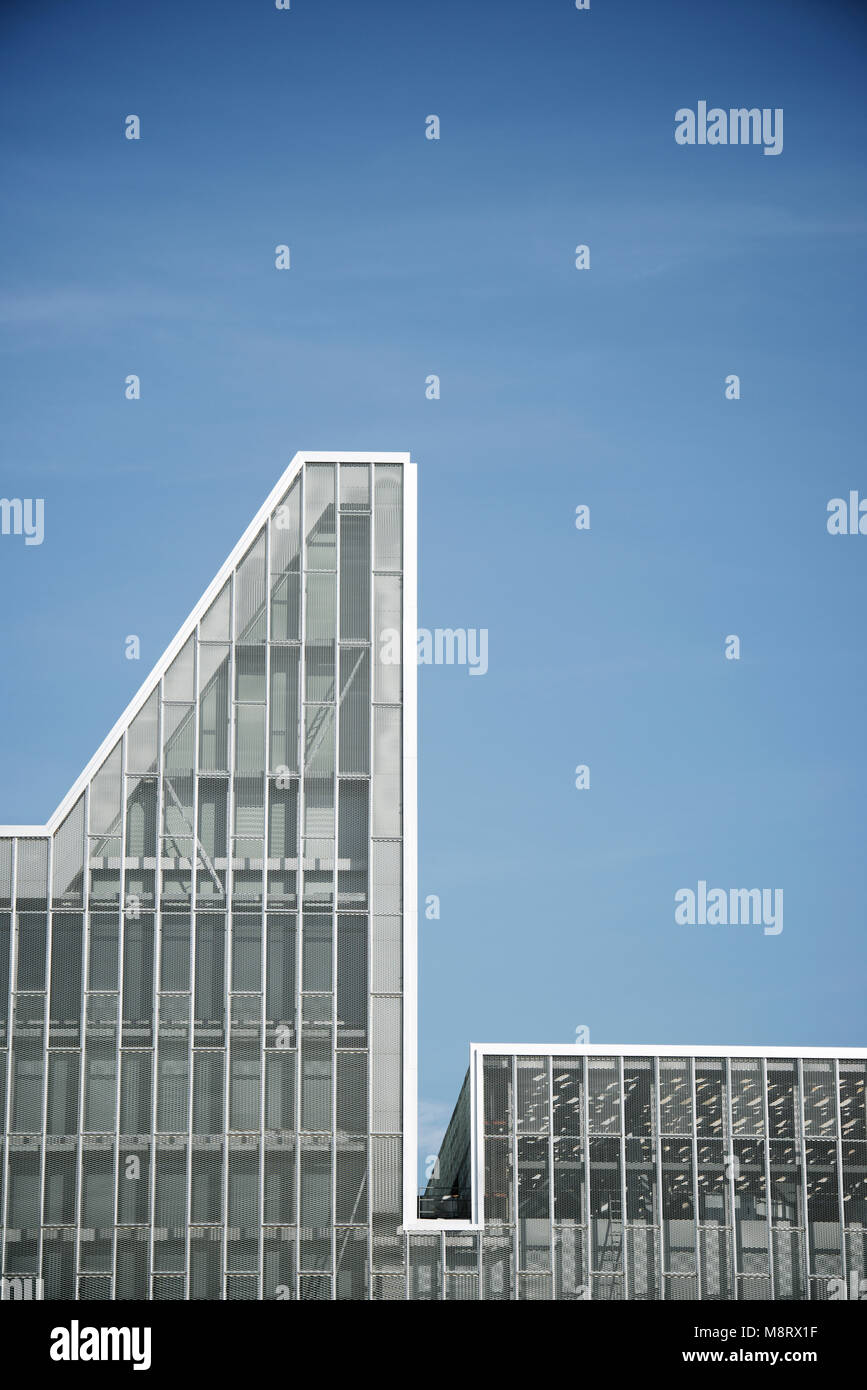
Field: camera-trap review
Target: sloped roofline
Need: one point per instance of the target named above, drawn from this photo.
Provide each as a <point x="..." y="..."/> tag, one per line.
<point x="189" y="626"/>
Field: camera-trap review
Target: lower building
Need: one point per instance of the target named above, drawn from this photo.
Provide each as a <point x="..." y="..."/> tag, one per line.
<point x="651" y="1173"/>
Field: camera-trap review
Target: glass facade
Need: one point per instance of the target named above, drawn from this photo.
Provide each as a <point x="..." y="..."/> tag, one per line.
<point x="207" y="976"/>
<point x="659" y="1177"/>
<point x="201" y="967"/>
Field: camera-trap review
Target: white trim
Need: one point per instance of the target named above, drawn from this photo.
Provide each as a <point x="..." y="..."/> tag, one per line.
<point x="146" y="689"/>
<point x="657" y="1050"/>
<point x="409" y="979"/>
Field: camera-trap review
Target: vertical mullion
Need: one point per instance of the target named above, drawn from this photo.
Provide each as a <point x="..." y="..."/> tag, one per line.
<point x="227" y="935"/>
<point x="263" y="935"/>
<point x="808" y="1258"/>
<point x="624" y="1256"/>
<point x="660" y="1176"/>
<point x="302" y="873"/>
<point x="335" y="788"/>
<point x="155" y="979"/>
<point x="763" y="1064"/>
<point x="731" y="1164"/>
<point x="838" y="1117"/>
<point x="699" y="1282"/>
<point x="12" y="994"/>
<point x="194" y="883"/>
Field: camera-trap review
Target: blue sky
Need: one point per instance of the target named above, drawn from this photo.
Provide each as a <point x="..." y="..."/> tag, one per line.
<point x="559" y="387"/>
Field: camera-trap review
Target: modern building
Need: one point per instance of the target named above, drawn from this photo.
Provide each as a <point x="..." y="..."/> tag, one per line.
<point x="208" y="1003"/>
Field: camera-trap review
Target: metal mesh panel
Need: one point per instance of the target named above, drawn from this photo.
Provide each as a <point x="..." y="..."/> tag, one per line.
<point x="642" y="1262"/>
<point x="751" y="1290"/>
<point x="97" y="1207"/>
<point x="387" y="654"/>
<point x="138" y="981"/>
<point x="462" y="1287"/>
<point x="783" y="1098"/>
<point x="532" y="1095"/>
<point x="354" y="749"/>
<point x="32" y="953"/>
<point x="58" y="1207"/>
<point x="748" y="1102"/>
<point x="68" y="866"/>
<point x="352" y="1272"/>
<point x="317" y="1060"/>
<point x="386" y="1064"/>
<point x="352" y="981"/>
<point x="62" y="1109"/>
<point x="242" y="1287"/>
<point x="319" y="516"/>
<point x="280" y="980"/>
<point x="388" y="512"/>
<point x="32" y="874"/>
<point x="823" y="1211"/>
<point x="207" y="1180"/>
<point x="250" y="593"/>
<point x="820" y="1110"/>
<point x="790" y="1265"/>
<point x="606" y="1216"/>
<point x="854" y="1183"/>
<point x="352" y="843"/>
<point x="66" y="983"/>
<point x="352" y="1092"/>
<point x="568" y="1089"/>
<point x="206" y="1276"/>
<point x="638" y="1096"/>
<point x="243" y="1215"/>
<point x="208" y="1092"/>
<point x="713" y="1183"/>
<point x="751" y="1215"/>
<point x="284" y="709"/>
<point x="678" y="1208"/>
<point x="642" y="1204"/>
<point x="214" y="682"/>
<point x="535" y="1287"/>
<point x="351" y="1182"/>
<point x="285" y="563"/>
<point x="386" y="1179"/>
<point x="98" y="1289"/>
<point x="462" y="1253"/>
<point x="534" y="1225"/>
<point x="5" y="943"/>
<point x="279" y="1188"/>
<point x="386" y="781"/>
<point x="58" y="1265"/>
<point x="280" y="1090"/>
<point x="675" y="1096"/>
<point x="498" y="1179"/>
<point x="170" y="1206"/>
<point x="853" y="1108"/>
<point x="314" y="1286"/>
<point x="386" y="951"/>
<point x="425" y="1268"/>
<point x="315" y="1214"/>
<point x="278" y="1264"/>
<point x="133" y="1182"/>
<point x="498" y="1280"/>
<point x="603" y="1095"/>
<point x="389" y="1288"/>
<point x="386" y="877"/>
<point x="710" y="1097"/>
<point x="131" y="1265"/>
<point x="715" y="1254"/>
<point x="355" y="576"/>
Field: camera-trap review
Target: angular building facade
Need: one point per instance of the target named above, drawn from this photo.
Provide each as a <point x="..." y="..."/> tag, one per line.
<point x="208" y="1003"/>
